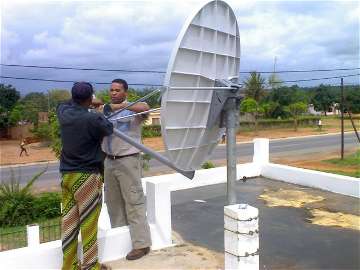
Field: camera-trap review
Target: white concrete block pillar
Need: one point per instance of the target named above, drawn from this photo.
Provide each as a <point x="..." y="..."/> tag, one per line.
<point x="158" y="202"/>
<point x="261" y="151"/>
<point x="241" y="224"/>
<point x="33" y="235"/>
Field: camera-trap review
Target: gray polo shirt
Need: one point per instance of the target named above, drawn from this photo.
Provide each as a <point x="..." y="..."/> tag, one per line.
<point x="113" y="145"/>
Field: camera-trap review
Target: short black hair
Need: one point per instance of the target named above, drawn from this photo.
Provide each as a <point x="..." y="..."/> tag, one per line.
<point x="123" y="82"/>
<point x="81" y="91"/>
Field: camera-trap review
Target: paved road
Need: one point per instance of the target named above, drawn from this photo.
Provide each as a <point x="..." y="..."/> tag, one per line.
<point x="287" y="239"/>
<point x="278" y="148"/>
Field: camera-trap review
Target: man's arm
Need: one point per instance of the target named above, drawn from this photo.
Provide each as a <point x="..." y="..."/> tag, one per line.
<point x="138" y="107"/>
<point x="100" y="126"/>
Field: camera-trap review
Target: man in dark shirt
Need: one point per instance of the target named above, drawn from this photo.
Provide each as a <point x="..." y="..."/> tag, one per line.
<point x="80" y="165"/>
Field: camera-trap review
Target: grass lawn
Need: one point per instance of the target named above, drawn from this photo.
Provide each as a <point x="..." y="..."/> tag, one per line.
<point x="15" y="237"/>
<point x="350" y="165"/>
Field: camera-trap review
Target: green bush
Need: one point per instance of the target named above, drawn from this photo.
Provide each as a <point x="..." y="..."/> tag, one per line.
<point x="145" y="158"/>
<point x="17" y="210"/>
<point x="151" y="131"/>
<point x="56" y="144"/>
<point x="208" y="165"/>
<point x="42" y="131"/>
<point x="280" y="123"/>
<point x="18" y="206"/>
<point x="47" y="205"/>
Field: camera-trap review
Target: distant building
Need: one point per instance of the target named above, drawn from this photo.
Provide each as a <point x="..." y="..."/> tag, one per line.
<point x="153" y="119"/>
<point x="333" y="110"/>
<point x="43" y="117"/>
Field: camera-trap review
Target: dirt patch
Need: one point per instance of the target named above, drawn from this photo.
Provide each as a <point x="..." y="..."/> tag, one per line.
<point x="155" y="143"/>
<point x="338" y="219"/>
<point x="301" y="199"/>
<point x="10" y="150"/>
<point x="288" y="198"/>
<point x="182" y="256"/>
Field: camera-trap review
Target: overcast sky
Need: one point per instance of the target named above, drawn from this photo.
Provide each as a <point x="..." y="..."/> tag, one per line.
<point x="141" y="34"/>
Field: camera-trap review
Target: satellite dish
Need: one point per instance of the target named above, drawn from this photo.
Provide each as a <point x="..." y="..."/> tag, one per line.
<point x="201" y="94"/>
<point x="207" y="49"/>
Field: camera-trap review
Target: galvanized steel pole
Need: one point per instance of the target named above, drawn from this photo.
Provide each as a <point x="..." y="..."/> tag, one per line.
<point x="231" y="121"/>
<point x="156" y="155"/>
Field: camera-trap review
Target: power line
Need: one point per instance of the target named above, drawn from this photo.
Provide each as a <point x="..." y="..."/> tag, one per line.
<point x="85" y="69"/>
<point x="65" y="81"/>
<point x="301" y="71"/>
<point x="162" y="72"/>
<point x="159" y="85"/>
<point x="317" y="79"/>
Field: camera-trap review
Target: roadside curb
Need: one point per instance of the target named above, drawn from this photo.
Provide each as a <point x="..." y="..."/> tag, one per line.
<point x="29" y="164"/>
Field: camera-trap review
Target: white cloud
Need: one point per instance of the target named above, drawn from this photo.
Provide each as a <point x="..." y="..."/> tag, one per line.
<point x="141" y="34"/>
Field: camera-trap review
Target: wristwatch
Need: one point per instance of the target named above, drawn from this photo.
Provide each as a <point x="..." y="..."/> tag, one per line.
<point x="107" y="109"/>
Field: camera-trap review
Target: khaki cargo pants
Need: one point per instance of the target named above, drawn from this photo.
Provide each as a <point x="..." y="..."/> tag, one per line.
<point x="125" y="199"/>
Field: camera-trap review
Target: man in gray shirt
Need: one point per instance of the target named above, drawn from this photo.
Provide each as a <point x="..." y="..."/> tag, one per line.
<point x="123" y="190"/>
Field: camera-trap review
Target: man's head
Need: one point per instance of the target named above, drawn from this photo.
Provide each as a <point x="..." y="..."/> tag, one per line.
<point x="118" y="91"/>
<point x="82" y="93"/>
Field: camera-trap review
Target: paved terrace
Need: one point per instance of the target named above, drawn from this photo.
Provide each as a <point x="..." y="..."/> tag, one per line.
<point x="300" y="228"/>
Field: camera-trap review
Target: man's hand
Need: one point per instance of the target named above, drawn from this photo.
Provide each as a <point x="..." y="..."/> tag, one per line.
<point x="96" y="102"/>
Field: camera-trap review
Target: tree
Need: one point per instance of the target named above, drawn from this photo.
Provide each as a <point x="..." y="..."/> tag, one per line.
<point x="255" y="86"/>
<point x="153" y="101"/>
<point x="103" y="95"/>
<point x="17" y="114"/>
<point x="323" y="98"/>
<point x="274" y="81"/>
<point x="133" y="95"/>
<point x="34" y="103"/>
<point x="296" y="109"/>
<point x="56" y="96"/>
<point x="249" y="105"/>
<point x="270" y="108"/>
<point x="284" y="96"/>
<point x="352" y="98"/>
<point x="55" y="134"/>
<point x="8" y="98"/>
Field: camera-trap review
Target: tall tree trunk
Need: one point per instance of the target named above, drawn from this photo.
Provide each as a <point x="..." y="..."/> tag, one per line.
<point x="295" y="123"/>
<point x="256" y="124"/>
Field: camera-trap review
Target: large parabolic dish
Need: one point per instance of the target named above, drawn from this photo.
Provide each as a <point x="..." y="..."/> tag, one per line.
<point x="207" y="49"/>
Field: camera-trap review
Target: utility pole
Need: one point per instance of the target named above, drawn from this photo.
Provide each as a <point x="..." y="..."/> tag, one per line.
<point x="275" y="59"/>
<point x="48" y="100"/>
<point x="342" y="118"/>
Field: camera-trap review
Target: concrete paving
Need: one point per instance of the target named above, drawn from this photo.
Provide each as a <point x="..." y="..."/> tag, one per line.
<point x="289" y="239"/>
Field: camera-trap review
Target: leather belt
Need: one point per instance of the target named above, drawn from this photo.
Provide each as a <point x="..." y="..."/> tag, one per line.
<point x="117" y="157"/>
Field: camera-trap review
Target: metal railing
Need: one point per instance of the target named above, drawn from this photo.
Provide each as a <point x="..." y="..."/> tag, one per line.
<point x="11" y="239"/>
<point x="50" y="231"/>
<point x="16" y="237"/>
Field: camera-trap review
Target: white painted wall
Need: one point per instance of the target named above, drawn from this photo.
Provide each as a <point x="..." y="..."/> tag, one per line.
<point x="204" y="177"/>
<point x="341" y="184"/>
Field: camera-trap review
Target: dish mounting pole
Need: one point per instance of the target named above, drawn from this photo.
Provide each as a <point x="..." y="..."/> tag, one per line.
<point x="230" y="121"/>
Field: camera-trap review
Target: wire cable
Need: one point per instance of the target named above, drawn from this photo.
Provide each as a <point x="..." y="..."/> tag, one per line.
<point x="84" y="69"/>
<point x="163" y="72"/>
<point x="66" y="81"/>
<point x="317" y="79"/>
<point x="159" y="85"/>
